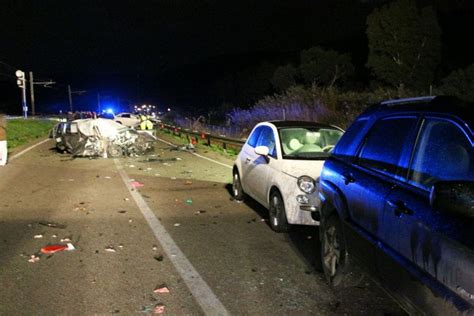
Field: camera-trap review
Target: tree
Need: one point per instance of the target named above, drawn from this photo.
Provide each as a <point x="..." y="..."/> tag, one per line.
<point x="325" y="67"/>
<point x="460" y="83"/>
<point x="284" y="77"/>
<point x="404" y="44"/>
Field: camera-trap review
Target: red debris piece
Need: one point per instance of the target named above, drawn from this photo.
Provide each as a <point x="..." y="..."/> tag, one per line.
<point x="161" y="289"/>
<point x="136" y="184"/>
<point x="159" y="308"/>
<point x="56" y="248"/>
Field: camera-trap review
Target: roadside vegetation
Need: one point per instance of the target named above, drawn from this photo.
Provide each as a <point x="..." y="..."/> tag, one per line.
<point x="20" y="131"/>
<point x="404" y="59"/>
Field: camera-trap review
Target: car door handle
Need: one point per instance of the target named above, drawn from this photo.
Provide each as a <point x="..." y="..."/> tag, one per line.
<point x="247" y="160"/>
<point x="399" y="208"/>
<point x="347" y="178"/>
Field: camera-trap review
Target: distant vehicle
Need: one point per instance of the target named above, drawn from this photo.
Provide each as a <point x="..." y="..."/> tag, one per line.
<point x="127" y="119"/>
<point x="279" y="166"/>
<point x="397" y="197"/>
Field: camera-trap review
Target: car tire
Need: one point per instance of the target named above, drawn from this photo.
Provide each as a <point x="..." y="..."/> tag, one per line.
<point x="277" y="213"/>
<point x="339" y="271"/>
<point x="237" y="190"/>
<point x="119" y="122"/>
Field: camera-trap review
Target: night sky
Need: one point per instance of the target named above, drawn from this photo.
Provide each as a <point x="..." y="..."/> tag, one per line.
<point x="172" y="52"/>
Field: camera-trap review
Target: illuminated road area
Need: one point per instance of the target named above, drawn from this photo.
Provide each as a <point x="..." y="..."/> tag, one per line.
<point x="148" y="225"/>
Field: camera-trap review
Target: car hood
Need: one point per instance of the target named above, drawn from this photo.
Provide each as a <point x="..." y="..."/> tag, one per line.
<point x="297" y="168"/>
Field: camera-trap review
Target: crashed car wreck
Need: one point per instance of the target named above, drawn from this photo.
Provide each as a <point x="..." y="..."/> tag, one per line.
<point x="100" y="138"/>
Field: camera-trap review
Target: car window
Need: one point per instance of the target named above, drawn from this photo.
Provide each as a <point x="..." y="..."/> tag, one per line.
<point x="347" y="144"/>
<point x="252" y="141"/>
<point x="125" y="115"/>
<point x="308" y="142"/>
<point x="385" y="142"/>
<point x="443" y="152"/>
<point x="267" y="138"/>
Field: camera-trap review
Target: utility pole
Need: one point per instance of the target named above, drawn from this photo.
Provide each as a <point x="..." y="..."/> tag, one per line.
<point x="32" y="94"/>
<point x="21" y="81"/>
<point x="70" y="97"/>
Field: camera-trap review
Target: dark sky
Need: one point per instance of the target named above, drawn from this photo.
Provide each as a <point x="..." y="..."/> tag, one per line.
<point x="170" y="51"/>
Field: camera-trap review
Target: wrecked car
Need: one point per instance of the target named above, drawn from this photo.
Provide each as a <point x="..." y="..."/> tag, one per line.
<point x="100" y="138"/>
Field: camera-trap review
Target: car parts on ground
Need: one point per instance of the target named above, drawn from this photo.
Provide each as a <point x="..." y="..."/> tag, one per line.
<point x="101" y="138"/>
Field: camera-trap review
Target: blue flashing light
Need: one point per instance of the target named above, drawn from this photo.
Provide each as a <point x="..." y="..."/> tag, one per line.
<point x="110" y="111"/>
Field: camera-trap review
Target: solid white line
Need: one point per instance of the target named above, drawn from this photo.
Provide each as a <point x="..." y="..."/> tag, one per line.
<point x="203" y="294"/>
<point x="28" y="149"/>
<point x="197" y="155"/>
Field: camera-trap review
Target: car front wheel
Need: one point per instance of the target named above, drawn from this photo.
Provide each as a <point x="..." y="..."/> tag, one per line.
<point x="278" y="221"/>
<point x="237" y="190"/>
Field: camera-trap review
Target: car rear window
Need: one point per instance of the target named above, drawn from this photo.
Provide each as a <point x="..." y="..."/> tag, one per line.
<point x="348" y="143"/>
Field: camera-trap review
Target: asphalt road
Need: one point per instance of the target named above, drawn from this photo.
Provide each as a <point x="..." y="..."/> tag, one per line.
<point x="180" y="229"/>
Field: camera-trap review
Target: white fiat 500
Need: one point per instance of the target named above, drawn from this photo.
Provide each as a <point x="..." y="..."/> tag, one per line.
<point x="279" y="166"/>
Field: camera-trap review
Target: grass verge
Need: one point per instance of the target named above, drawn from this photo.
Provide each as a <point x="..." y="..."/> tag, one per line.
<point x="20" y="131"/>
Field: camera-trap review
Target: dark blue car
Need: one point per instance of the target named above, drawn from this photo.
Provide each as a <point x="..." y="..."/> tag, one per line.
<point x="398" y="199"/>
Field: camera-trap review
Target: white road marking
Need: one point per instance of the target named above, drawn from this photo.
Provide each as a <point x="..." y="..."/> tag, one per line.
<point x="197" y="155"/>
<point x="203" y="294"/>
<point x="28" y="149"/>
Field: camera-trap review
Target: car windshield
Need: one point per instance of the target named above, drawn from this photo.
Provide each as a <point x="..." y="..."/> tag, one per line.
<point x="308" y="142"/>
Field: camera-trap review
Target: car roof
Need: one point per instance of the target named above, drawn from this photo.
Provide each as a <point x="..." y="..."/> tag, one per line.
<point x="283" y="124"/>
<point x="445" y="105"/>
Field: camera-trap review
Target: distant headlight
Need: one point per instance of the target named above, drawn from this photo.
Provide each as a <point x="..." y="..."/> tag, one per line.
<point x="306" y="184"/>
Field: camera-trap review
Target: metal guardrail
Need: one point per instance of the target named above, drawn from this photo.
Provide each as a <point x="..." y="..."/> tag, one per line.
<point x="197" y="137"/>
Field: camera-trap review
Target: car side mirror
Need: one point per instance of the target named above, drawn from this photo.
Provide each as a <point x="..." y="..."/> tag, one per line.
<point x="456" y="197"/>
<point x="262" y="150"/>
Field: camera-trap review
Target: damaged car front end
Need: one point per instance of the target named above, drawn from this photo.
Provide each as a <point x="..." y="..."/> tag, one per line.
<point x="101" y="138"/>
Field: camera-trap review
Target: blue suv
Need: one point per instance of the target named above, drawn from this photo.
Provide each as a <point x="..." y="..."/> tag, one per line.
<point x="398" y="199"/>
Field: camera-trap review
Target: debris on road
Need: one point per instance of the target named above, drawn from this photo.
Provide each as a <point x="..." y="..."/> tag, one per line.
<point x="188" y="182"/>
<point x="126" y="199"/>
<point x="53" y="225"/>
<point x="177" y="224"/>
<point x="38" y="236"/>
<point x="173" y="178"/>
<point x="132" y="166"/>
<point x="136" y="184"/>
<point x="189" y="201"/>
<point x="107" y="177"/>
<point x="159" y="308"/>
<point x="154" y="247"/>
<point x="56" y="248"/>
<point x="161" y="289"/>
<point x="158" y="258"/>
<point x="177" y="158"/>
<point x="34" y="258"/>
<point x="199" y="212"/>
<point x="65" y="239"/>
<point x="110" y="249"/>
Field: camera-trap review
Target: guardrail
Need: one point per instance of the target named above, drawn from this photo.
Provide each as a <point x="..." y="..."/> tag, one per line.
<point x="197" y="137"/>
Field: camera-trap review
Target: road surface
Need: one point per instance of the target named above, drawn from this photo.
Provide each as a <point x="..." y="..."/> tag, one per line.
<point x="179" y="230"/>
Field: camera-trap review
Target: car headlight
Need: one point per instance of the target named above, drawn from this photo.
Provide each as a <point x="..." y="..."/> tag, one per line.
<point x="306" y="184"/>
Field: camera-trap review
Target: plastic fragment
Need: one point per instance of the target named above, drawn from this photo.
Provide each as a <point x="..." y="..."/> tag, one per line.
<point x="199" y="212"/>
<point x="136" y="184"/>
<point x="56" y="248"/>
<point x="66" y="239"/>
<point x="132" y="166"/>
<point x="53" y="225"/>
<point x="38" y="236"/>
<point x="126" y="199"/>
<point x="177" y="224"/>
<point x="154" y="247"/>
<point x="33" y="258"/>
<point x="159" y="308"/>
<point x="107" y="177"/>
<point x="110" y="249"/>
<point x="189" y="201"/>
<point x="177" y="158"/>
<point x="161" y="289"/>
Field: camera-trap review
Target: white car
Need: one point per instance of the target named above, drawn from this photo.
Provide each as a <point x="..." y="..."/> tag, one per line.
<point x="279" y="166"/>
<point x="127" y="119"/>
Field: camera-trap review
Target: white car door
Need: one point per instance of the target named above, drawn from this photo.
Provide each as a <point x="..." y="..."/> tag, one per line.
<point x="256" y="168"/>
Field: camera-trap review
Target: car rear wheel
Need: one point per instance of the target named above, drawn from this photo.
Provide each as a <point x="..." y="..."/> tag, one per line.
<point x="278" y="221"/>
<point x="237" y="190"/>
<point x="338" y="269"/>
